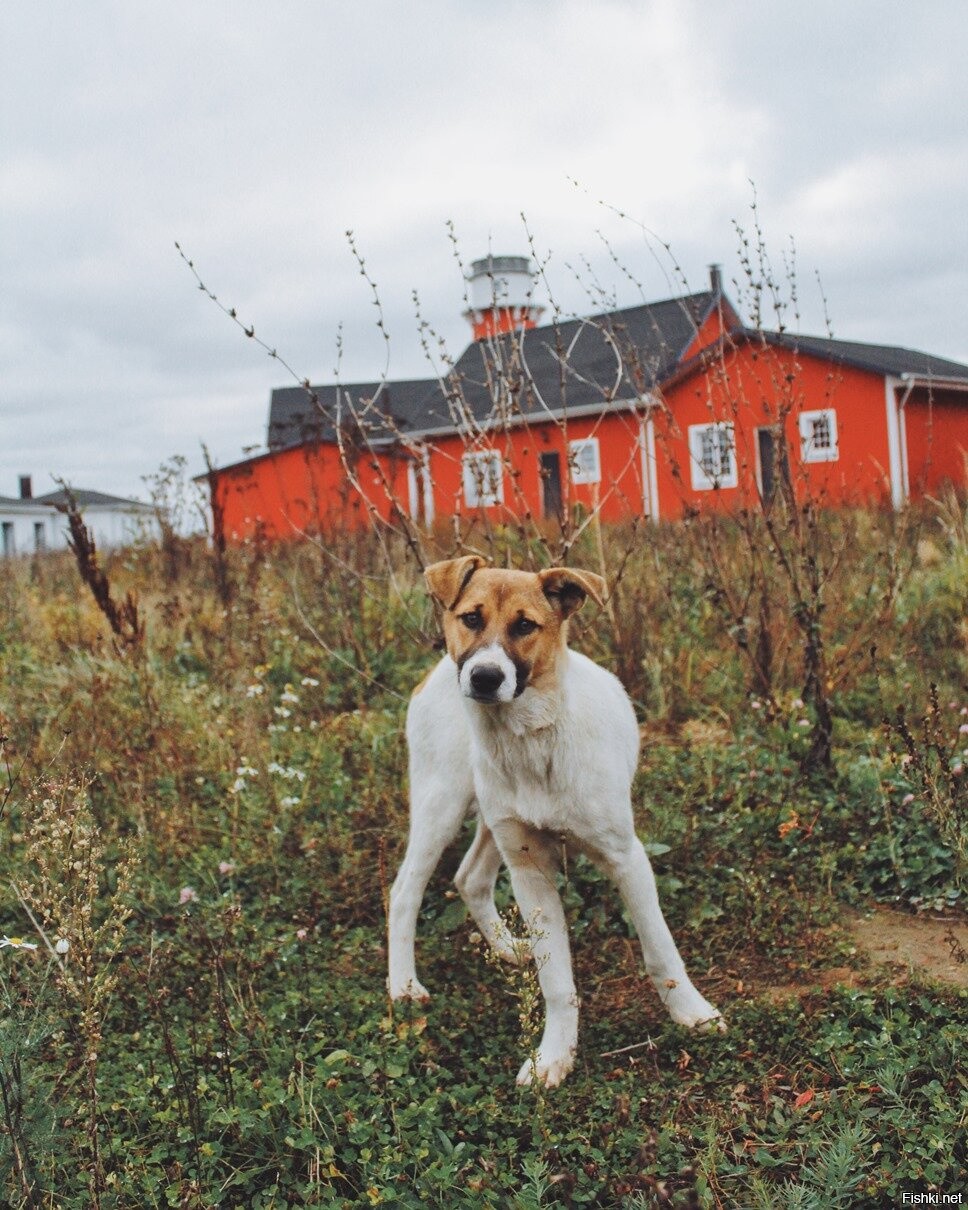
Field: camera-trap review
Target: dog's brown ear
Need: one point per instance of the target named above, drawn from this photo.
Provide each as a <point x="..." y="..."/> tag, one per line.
<point x="447" y="580"/>
<point x="567" y="587"/>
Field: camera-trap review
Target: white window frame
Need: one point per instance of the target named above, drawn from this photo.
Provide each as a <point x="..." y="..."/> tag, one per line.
<point x="576" y="451"/>
<point x="807" y="421"/>
<point x="706" y="479"/>
<point x="482" y="476"/>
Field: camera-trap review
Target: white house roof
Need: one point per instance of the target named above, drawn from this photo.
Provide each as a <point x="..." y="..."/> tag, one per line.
<point x="89" y="499"/>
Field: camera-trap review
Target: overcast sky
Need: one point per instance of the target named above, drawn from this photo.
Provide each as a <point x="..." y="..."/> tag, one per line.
<point x="256" y="134"/>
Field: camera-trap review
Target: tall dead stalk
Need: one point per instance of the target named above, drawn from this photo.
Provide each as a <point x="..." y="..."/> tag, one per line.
<point x="124" y="618"/>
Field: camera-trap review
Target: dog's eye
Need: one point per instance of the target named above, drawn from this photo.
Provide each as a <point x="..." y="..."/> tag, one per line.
<point x="522" y="627"/>
<point x="473" y="620"/>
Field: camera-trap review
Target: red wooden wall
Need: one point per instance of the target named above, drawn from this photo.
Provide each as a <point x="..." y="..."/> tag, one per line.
<point x="751" y="386"/>
<point x="936" y="428"/>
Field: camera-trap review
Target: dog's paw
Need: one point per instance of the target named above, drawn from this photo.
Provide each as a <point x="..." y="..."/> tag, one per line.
<point x="688" y="1008"/>
<point x="713" y="1024"/>
<point x="413" y="989"/>
<point x="547" y="1072"/>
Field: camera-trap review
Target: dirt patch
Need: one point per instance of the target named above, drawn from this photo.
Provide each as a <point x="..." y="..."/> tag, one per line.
<point x="909" y="945"/>
<point x="920" y="945"/>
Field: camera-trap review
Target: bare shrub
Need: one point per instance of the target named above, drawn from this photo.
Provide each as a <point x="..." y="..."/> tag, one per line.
<point x="81" y="925"/>
<point x="767" y="568"/>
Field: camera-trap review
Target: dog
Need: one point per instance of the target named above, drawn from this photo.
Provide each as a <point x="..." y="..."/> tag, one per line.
<point x="544" y="742"/>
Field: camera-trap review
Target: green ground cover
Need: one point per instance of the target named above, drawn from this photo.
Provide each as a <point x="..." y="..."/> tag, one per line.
<point x="198" y="834"/>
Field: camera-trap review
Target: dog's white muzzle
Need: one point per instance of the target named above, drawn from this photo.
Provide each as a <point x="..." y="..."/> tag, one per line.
<point x="489" y="675"/>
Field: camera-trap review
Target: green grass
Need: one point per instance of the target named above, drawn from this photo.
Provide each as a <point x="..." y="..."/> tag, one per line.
<point x="227" y="808"/>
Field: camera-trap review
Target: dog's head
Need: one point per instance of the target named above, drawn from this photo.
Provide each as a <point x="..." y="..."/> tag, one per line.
<point x="505" y="630"/>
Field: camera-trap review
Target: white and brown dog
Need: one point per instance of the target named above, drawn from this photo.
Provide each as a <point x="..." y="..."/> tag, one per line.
<point x="546" y="743"/>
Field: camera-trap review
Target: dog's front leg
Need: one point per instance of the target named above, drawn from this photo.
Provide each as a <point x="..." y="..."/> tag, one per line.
<point x="437" y="811"/>
<point x="532" y="861"/>
<point x="631" y="872"/>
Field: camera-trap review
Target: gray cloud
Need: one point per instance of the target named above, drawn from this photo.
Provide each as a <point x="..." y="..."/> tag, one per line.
<point x="256" y="135"/>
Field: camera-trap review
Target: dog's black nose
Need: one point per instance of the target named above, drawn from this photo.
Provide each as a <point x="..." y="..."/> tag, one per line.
<point x="486" y="679"/>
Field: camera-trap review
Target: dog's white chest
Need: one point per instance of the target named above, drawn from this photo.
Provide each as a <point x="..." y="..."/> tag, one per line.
<point x="546" y="776"/>
<point x="527" y="771"/>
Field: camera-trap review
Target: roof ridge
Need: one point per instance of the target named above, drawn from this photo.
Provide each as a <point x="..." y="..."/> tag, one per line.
<point x="838" y="342"/>
<point x="643" y="306"/>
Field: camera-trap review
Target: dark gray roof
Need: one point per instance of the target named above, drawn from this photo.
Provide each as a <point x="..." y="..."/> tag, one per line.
<point x="879" y="359"/>
<point x="575" y="363"/>
<point x="558" y="366"/>
<point x="300" y="414"/>
<point x="89" y="499"/>
<point x="600" y="361"/>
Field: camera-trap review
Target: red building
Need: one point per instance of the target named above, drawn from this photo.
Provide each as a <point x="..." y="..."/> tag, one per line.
<point x="648" y="410"/>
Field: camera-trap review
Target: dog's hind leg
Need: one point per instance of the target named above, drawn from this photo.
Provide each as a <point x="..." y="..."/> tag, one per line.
<point x="532" y="859"/>
<point x="437" y="811"/>
<point x="632" y="874"/>
<point x="475" y="880"/>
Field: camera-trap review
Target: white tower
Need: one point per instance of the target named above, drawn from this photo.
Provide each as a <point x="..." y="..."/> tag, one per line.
<point x="501" y="292"/>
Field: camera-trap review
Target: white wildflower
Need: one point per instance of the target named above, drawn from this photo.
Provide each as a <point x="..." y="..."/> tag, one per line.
<point x="16" y="943"/>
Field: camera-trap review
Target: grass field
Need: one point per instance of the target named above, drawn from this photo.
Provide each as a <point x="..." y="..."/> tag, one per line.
<point x="199" y="830"/>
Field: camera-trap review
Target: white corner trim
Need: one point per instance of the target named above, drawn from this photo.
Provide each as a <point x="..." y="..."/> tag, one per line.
<point x="650" y="475"/>
<point x="428" y="489"/>
<point x="895" y="446"/>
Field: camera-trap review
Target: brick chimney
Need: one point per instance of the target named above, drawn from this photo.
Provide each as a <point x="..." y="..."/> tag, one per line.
<point x="716" y="278"/>
<point x="501" y="290"/>
<point x="26" y="488"/>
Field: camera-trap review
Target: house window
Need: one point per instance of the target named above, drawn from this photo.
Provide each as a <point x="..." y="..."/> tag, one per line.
<point x="712" y="456"/>
<point x="483" y="479"/>
<point x="40" y="537"/>
<point x="9" y="545"/>
<point x="818" y="436"/>
<point x="583" y="461"/>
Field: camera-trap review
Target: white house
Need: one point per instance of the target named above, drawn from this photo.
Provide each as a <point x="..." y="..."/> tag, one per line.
<point x="31" y="524"/>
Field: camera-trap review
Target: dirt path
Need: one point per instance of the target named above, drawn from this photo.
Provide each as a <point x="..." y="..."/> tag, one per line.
<point x="908" y="945"/>
<point x="917" y="944"/>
